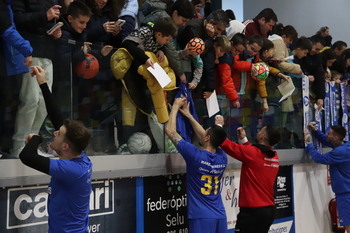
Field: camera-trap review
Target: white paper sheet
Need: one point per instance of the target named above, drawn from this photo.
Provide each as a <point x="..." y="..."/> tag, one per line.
<point x="286" y="89"/>
<point x="289" y="58"/>
<point x="212" y="104"/>
<point x="159" y="73"/>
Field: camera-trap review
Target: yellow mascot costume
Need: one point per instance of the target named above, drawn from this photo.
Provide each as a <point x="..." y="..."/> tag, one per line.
<point x="121" y="62"/>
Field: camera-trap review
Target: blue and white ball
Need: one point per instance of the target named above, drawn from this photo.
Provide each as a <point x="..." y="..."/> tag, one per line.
<point x="139" y="143"/>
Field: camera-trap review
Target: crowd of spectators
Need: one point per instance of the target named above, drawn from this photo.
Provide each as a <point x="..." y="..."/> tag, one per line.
<point x="127" y="37"/>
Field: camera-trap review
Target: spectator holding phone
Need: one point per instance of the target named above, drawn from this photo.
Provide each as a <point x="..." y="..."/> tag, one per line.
<point x="103" y="26"/>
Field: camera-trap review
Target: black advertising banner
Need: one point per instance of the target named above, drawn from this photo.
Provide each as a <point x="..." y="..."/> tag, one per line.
<point x="165" y="204"/>
<point x="284" y="219"/>
<point x="284" y="192"/>
<point x="122" y="217"/>
<point x="112" y="207"/>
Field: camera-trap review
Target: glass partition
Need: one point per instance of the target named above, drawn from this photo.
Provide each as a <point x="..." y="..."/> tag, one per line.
<point x="122" y="125"/>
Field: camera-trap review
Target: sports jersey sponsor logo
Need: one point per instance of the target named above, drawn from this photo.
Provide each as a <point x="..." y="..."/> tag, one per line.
<point x="210" y="168"/>
<point x="27" y="206"/>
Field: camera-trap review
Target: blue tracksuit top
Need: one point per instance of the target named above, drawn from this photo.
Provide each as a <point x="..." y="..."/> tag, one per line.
<point x="339" y="161"/>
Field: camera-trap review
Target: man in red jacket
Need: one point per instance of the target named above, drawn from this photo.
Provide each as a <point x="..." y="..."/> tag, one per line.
<point x="260" y="164"/>
<point x="261" y="24"/>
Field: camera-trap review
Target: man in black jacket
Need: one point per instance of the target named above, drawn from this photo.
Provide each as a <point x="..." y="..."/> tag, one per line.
<point x="33" y="19"/>
<point x="206" y="29"/>
<point x="312" y="66"/>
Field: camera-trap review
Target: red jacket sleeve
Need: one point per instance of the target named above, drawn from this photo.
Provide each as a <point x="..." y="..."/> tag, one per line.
<point x="225" y="76"/>
<point x="240" y="65"/>
<point x="243" y="153"/>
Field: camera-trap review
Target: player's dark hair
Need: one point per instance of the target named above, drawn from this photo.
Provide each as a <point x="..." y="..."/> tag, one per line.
<point x="219" y="17"/>
<point x="339" y="45"/>
<point x="318" y="39"/>
<point x="288" y="31"/>
<point x="77" y="8"/>
<point x="267" y="45"/>
<point x="239" y="39"/>
<point x="196" y="2"/>
<point x="259" y="40"/>
<point x="339" y="130"/>
<point x="166" y="26"/>
<point x="303" y="43"/>
<point x="273" y="135"/>
<point x="327" y="55"/>
<point x="268" y="14"/>
<point x="217" y="135"/>
<point x="184" y="8"/>
<point x="77" y="135"/>
<point x="230" y="14"/>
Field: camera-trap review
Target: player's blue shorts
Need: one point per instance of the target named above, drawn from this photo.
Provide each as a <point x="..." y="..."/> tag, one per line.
<point x="343" y="206"/>
<point x="207" y="225"/>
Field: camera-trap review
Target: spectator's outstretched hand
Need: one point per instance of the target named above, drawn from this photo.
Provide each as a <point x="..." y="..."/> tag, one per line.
<point x="112" y="27"/>
<point x="160" y="55"/>
<point x="207" y="94"/>
<point x="192" y="86"/>
<point x="285" y="77"/>
<point x="150" y="63"/>
<point x="307" y="136"/>
<point x="87" y="47"/>
<point x="253" y="70"/>
<point x="236" y="104"/>
<point x="311" y="78"/>
<point x="219" y="120"/>
<point x="39" y="74"/>
<point x="57" y="33"/>
<point x="29" y="136"/>
<point x="241" y="133"/>
<point x="53" y="12"/>
<point x="210" y="29"/>
<point x="313" y="126"/>
<point x="106" y="50"/>
<point x="28" y="61"/>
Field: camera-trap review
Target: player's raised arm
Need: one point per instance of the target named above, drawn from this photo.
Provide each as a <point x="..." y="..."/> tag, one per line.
<point x="170" y="128"/>
<point x="197" y="128"/>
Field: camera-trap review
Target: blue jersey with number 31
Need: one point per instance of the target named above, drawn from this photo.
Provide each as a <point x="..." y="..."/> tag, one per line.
<point x="204" y="172"/>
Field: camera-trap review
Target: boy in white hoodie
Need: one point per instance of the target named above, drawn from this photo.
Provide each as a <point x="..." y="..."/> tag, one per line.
<point x="283" y="37"/>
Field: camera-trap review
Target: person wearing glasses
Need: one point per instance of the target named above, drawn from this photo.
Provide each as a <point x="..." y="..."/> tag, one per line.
<point x="225" y="85"/>
<point x="243" y="67"/>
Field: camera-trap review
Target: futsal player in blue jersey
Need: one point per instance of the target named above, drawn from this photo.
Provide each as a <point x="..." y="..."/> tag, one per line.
<point x="206" y="212"/>
<point x="70" y="186"/>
